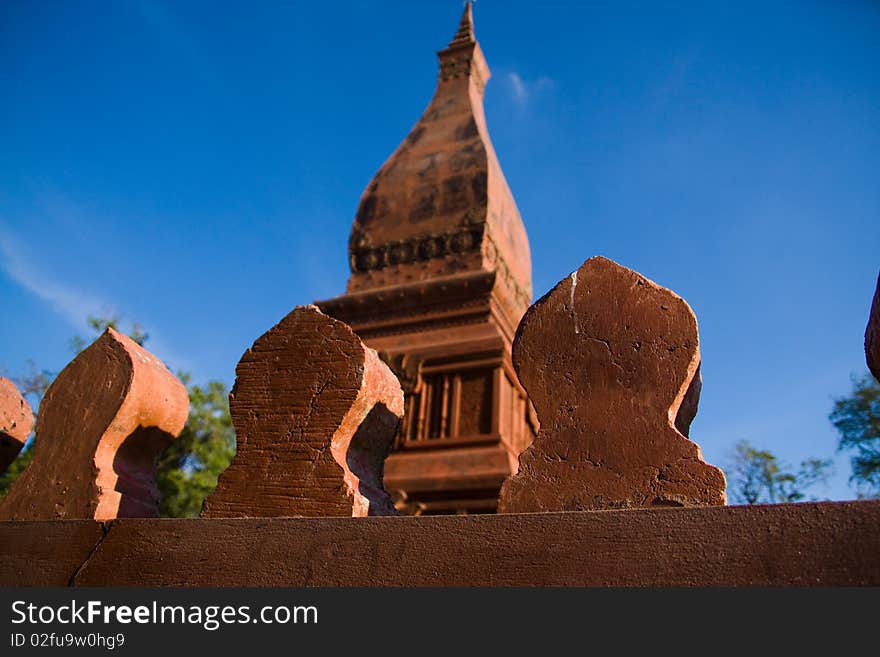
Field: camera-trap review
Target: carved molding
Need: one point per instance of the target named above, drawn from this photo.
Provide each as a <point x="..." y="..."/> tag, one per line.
<point x="423" y="248"/>
<point x="452" y="68"/>
<point x="420" y="327"/>
<point x="502" y="272"/>
<point x="420" y="248"/>
<point x="378" y="311"/>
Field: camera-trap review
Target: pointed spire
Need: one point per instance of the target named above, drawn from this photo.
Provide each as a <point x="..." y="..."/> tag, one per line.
<point x="440" y="205"/>
<point x="465" y="33"/>
<point x="462" y="58"/>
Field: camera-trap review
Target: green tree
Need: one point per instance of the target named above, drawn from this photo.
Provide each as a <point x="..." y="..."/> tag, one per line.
<point x="15" y="468"/>
<point x="756" y="476"/>
<point x="188" y="470"/>
<point x="101" y="324"/>
<point x="35" y="384"/>
<point x="32" y="386"/>
<point x="857" y="419"/>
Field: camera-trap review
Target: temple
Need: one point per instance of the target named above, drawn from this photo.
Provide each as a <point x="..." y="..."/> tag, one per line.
<point x="440" y="278"/>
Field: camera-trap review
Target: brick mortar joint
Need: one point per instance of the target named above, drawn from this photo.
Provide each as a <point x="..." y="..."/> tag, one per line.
<point x="106" y="526"/>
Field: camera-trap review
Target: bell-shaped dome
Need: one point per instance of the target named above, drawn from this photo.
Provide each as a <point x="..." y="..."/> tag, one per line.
<point x="440" y="205"/>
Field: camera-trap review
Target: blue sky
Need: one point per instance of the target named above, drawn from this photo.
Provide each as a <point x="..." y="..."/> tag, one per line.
<point x="196" y="167"/>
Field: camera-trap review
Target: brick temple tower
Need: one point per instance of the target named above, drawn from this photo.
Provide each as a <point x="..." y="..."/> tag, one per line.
<point x="441" y="275"/>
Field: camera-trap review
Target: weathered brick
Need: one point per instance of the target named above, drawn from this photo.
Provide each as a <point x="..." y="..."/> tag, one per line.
<point x="101" y="427"/>
<point x="16" y="422"/>
<point x="315" y="414"/>
<point x="611" y="362"/>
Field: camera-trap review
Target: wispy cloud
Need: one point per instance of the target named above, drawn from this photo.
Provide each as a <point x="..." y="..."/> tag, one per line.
<point x="518" y="87"/>
<point x="523" y="91"/>
<point x="73" y="305"/>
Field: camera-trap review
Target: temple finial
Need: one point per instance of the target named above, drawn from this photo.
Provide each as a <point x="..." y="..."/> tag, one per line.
<point x="465" y="33"/>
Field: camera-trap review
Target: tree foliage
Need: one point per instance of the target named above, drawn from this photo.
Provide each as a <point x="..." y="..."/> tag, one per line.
<point x="188" y="470"/>
<point x="101" y="324"/>
<point x="756" y="476"/>
<point x="16" y="467"/>
<point x="857" y="419"/>
<point x="32" y="386"/>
